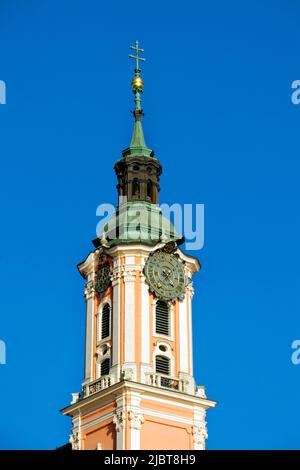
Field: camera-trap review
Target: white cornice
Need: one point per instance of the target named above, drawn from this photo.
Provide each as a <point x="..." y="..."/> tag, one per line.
<point x="87" y="266"/>
<point x="115" y="390"/>
<point x="138" y="249"/>
<point x="192" y="262"/>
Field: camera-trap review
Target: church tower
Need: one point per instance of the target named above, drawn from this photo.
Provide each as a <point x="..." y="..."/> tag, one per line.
<point x="139" y="390"/>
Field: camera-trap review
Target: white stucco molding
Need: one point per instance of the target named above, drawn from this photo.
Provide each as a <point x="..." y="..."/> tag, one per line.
<point x="149" y="392"/>
<point x="75" y="440"/>
<point x="88" y="266"/>
<point x="199" y="437"/>
<point x="75" y="437"/>
<point x="192" y="264"/>
<point x="119" y="420"/>
<point x="135" y="419"/>
<point x="89" y="290"/>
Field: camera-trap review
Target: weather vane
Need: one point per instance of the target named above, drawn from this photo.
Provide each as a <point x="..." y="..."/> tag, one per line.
<point x="137" y="57"/>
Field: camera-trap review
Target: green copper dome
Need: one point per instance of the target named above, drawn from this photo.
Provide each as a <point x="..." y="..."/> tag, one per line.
<point x="138" y="222"/>
<point x="137" y="219"/>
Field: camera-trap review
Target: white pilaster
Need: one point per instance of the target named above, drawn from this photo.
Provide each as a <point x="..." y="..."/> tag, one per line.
<point x="185" y="346"/>
<point x="75" y="438"/>
<point x="89" y="335"/>
<point x="189" y="296"/>
<point x="183" y="337"/>
<point x="119" y="421"/>
<point x="145" y="329"/>
<point x="116" y="311"/>
<point x="199" y="429"/>
<point x="135" y="422"/>
<point x="129" y="367"/>
<point x="136" y="419"/>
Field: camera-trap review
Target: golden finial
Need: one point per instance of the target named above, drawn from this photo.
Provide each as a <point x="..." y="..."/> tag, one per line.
<point x="137" y="83"/>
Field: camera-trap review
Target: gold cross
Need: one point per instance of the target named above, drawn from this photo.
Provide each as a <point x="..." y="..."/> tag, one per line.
<point x="136" y="57"/>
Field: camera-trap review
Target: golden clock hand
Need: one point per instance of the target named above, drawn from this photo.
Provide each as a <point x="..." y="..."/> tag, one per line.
<point x="167" y="274"/>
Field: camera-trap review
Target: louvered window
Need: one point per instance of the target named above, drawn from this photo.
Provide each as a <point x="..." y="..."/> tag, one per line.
<point x="105" y="367"/>
<point x="105" y="321"/>
<point x="162" y="365"/>
<point x="162" y="320"/>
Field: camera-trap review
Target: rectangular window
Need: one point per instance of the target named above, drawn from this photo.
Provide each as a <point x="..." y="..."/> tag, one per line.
<point x="162" y="318"/>
<point x="162" y="365"/>
<point x="105" y="321"/>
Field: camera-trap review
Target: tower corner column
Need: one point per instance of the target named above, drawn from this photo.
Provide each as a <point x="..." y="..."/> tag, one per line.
<point x="199" y="429"/>
<point x="116" y="338"/>
<point x="129" y="365"/>
<point x="136" y="419"/>
<point x="119" y="421"/>
<point x="145" y="365"/>
<point x="89" y="294"/>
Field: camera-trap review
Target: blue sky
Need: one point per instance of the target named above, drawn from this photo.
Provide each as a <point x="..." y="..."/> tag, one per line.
<point x="219" y="115"/>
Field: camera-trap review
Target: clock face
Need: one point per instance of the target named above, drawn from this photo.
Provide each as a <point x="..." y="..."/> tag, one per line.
<point x="102" y="280"/>
<point x="165" y="275"/>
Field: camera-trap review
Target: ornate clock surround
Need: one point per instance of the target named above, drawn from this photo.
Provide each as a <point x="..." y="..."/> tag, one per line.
<point x="164" y="272"/>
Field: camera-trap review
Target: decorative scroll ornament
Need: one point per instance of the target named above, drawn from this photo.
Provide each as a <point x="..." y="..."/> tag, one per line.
<point x="75" y="440"/>
<point x="136" y="419"/>
<point x="129" y="275"/>
<point x="119" y="420"/>
<point x="199" y="435"/>
<point x="127" y="373"/>
<point x="170" y="247"/>
<point x="89" y="289"/>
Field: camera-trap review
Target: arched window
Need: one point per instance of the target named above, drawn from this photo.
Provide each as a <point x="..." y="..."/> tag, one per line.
<point x="105" y="321"/>
<point x="135" y="187"/>
<point x="162" y="365"/>
<point x="149" y="189"/>
<point x="104" y="367"/>
<point x="162" y="318"/>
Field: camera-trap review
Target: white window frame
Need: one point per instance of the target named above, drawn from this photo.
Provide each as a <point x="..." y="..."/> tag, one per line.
<point x="101" y="357"/>
<point x="98" y="367"/>
<point x="168" y="353"/>
<point x="99" y="321"/>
